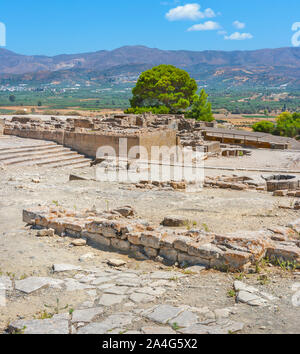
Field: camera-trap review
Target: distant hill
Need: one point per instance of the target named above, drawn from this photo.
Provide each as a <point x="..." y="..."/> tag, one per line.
<point x="266" y="67"/>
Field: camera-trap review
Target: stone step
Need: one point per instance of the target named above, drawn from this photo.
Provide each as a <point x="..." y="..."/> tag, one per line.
<point x="79" y="163"/>
<point x="36" y="159"/>
<point x="35" y="153"/>
<point x="21" y="148"/>
<point x="47" y="154"/>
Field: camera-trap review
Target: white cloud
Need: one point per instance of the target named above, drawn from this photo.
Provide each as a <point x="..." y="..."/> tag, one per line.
<point x="237" y="36"/>
<point x="189" y="12"/>
<point x="239" y="25"/>
<point x="206" y="26"/>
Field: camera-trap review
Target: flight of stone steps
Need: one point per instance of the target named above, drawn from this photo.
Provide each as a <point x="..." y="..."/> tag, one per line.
<point x="48" y="154"/>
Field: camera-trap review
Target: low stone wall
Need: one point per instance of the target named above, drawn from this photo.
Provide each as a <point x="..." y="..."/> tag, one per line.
<point x="289" y="185"/>
<point x="261" y="144"/>
<point x="88" y="143"/>
<point x="121" y="231"/>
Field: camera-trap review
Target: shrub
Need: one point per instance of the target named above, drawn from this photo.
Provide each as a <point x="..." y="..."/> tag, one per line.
<point x="264" y="127"/>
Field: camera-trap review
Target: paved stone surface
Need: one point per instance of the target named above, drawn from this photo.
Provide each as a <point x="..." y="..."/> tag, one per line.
<point x="226" y="327"/>
<point x="157" y="330"/>
<point x="31" y="284"/>
<point x="116" y="290"/>
<point x="74" y="285"/>
<point x="132" y="283"/>
<point x="163" y="313"/>
<point x="110" y="299"/>
<point x="110" y="323"/>
<point x="55" y="325"/>
<point x="141" y="298"/>
<point x="184" y="319"/>
<point x="103" y="279"/>
<point x="86" y="315"/>
<point x="65" y="267"/>
<point x="151" y="291"/>
<point x="166" y="275"/>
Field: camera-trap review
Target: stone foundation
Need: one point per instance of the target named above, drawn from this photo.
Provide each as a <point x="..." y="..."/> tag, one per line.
<point x="121" y="231"/>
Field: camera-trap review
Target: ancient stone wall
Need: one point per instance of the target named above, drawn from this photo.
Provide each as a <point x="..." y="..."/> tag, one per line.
<point x="121" y="230"/>
<point x="260" y="144"/>
<point x="87" y="143"/>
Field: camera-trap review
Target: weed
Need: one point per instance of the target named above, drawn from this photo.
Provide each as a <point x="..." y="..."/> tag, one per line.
<point x="57" y="307"/>
<point x="263" y="279"/>
<point x="205" y="227"/>
<point x="44" y="315"/>
<point x="175" y="326"/>
<point x="240" y="276"/>
<point x="231" y="293"/>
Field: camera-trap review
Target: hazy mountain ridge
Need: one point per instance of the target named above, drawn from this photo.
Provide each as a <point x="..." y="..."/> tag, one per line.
<point x="265" y="66"/>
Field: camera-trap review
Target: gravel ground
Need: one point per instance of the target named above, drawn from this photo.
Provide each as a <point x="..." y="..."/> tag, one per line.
<point x="23" y="255"/>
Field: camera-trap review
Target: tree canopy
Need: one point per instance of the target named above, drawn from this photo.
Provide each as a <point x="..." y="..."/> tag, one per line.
<point x="201" y="108"/>
<point x="164" y="86"/>
<point x="264" y="127"/>
<point x="287" y="124"/>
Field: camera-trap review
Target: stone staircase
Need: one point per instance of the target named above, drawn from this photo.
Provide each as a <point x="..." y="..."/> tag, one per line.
<point x="48" y="154"/>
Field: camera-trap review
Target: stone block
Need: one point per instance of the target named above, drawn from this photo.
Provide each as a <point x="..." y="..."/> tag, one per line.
<point x="169" y="254"/>
<point x="182" y="243"/>
<point x="120" y="244"/>
<point x="151" y="252"/>
<point x="97" y="238"/>
<point x="151" y="239"/>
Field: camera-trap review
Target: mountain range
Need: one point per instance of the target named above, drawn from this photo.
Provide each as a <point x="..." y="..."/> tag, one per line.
<point x="265" y="67"/>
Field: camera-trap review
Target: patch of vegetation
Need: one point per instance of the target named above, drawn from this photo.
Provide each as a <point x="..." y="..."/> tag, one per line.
<point x="231" y="293"/>
<point x="175" y="326"/>
<point x="57" y="308"/>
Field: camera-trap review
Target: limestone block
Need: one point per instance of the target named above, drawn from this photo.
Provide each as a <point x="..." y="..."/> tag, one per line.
<point x="151" y="239"/>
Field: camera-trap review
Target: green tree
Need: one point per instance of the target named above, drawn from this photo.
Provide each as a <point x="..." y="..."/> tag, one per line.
<point x="264" y="127"/>
<point x="288" y="124"/>
<point x="201" y="108"/>
<point x="164" y="86"/>
<point x="12" y="98"/>
<point x="39" y="103"/>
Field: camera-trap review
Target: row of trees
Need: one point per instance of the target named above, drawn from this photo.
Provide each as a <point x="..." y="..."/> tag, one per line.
<point x="166" y="89"/>
<point x="287" y="124"/>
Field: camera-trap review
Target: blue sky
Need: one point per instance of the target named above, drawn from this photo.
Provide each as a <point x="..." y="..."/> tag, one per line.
<point x="73" y="26"/>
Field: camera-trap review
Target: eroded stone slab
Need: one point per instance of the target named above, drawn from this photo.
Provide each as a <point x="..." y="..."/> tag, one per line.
<point x="221" y="327"/>
<point x="250" y="299"/>
<point x="55" y="325"/>
<point x="184" y="319"/>
<point x="157" y="330"/>
<point x="31" y="284"/>
<point x="86" y="315"/>
<point x="64" y="268"/>
<point x="163" y="313"/>
<point x="112" y="322"/>
<point x="141" y="298"/>
<point x="111" y="299"/>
